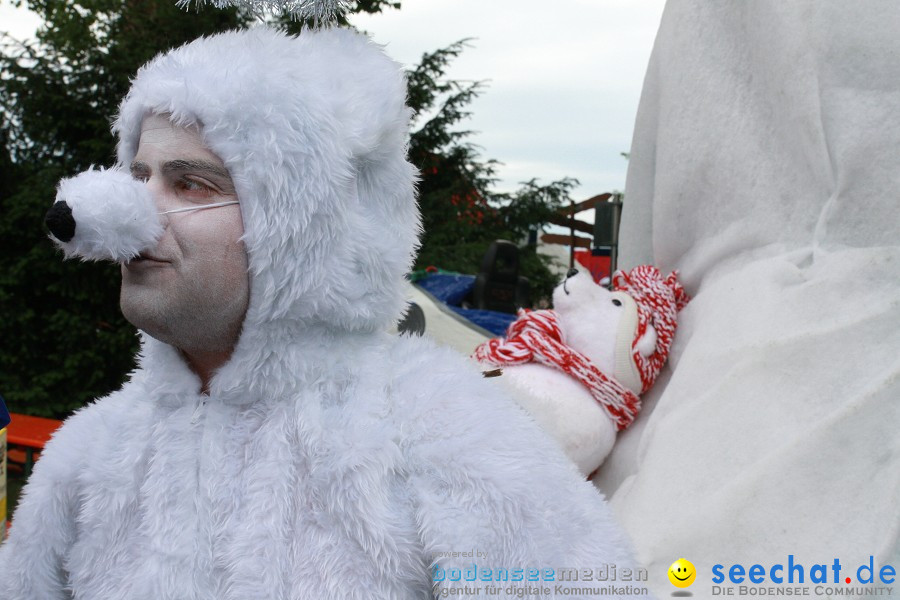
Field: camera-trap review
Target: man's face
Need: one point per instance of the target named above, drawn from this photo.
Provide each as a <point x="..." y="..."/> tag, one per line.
<point x="192" y="289"/>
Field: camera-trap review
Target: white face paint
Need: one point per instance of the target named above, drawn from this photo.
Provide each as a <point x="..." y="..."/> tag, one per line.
<point x="192" y="289"/>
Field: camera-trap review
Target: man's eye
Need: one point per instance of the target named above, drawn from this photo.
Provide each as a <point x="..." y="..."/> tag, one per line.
<point x="193" y="187"/>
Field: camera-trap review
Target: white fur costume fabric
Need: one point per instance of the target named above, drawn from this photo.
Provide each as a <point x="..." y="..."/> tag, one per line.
<point x="765" y="168"/>
<point x="329" y="459"/>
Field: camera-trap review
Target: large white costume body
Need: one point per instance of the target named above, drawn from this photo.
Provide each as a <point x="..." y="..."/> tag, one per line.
<point x="764" y="168"/>
<point x="329" y="459"/>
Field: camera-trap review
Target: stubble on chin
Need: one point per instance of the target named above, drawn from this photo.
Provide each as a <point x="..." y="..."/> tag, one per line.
<point x="183" y="317"/>
<point x="143" y="307"/>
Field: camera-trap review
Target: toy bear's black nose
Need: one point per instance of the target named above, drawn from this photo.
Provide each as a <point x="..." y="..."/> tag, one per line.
<point x="60" y="222"/>
<point x="571" y="273"/>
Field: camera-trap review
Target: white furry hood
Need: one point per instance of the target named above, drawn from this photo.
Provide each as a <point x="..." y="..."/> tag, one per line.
<point x="313" y="130"/>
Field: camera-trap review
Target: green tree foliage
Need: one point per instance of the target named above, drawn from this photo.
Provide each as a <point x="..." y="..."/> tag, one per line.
<point x="461" y="213"/>
<point x="64" y="341"/>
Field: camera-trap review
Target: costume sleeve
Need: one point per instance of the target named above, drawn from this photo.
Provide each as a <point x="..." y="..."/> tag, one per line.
<point x="32" y="560"/>
<point x="497" y="501"/>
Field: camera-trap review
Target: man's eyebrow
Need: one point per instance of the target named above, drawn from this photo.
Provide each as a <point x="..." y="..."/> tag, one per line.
<point x="139" y="167"/>
<point x="179" y="165"/>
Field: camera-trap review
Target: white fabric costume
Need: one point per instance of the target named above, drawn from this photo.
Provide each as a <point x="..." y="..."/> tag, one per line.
<point x="765" y="169"/>
<point x="330" y="459"/>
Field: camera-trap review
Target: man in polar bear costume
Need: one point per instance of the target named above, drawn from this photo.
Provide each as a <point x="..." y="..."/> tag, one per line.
<point x="275" y="441"/>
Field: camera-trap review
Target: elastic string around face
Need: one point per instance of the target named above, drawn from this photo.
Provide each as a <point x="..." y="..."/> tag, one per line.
<point x="201" y="207"/>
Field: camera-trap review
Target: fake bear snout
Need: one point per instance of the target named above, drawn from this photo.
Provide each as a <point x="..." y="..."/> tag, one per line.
<point x="60" y="222"/>
<point x="103" y="215"/>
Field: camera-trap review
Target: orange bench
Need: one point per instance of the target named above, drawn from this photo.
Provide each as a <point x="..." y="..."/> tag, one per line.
<point x="31" y="433"/>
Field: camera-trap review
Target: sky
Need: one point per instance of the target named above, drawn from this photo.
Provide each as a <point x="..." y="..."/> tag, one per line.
<point x="563" y="78"/>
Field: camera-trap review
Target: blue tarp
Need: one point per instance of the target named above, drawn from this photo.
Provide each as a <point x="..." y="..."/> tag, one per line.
<point x="4" y="414"/>
<point x="451" y="289"/>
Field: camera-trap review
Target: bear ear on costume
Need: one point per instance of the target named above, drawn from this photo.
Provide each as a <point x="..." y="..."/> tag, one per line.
<point x="103" y="215"/>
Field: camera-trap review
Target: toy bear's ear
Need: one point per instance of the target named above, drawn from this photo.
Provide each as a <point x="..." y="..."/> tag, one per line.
<point x="646" y="345"/>
<point x="103" y="215"/>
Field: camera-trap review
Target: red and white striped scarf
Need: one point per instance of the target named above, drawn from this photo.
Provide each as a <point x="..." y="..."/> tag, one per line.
<point x="658" y="303"/>
<point x="536" y="337"/>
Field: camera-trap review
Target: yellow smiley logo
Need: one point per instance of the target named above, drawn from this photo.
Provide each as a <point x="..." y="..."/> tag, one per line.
<point x="682" y="573"/>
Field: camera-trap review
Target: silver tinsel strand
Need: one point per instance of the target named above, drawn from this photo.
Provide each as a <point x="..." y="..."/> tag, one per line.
<point x="321" y="12"/>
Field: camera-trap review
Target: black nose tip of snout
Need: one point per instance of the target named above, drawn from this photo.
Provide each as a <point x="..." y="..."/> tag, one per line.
<point x="60" y="222"/>
<point x="571" y="273"/>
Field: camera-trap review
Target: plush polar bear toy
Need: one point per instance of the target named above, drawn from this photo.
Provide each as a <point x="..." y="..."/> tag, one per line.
<point x="579" y="369"/>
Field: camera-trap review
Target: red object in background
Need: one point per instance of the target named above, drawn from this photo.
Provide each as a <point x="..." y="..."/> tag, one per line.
<point x="597" y="265"/>
<point x="31" y="433"/>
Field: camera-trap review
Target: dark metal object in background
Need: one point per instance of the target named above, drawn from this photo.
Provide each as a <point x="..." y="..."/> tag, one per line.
<point x="606" y="230"/>
<point x="498" y="286"/>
